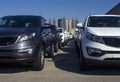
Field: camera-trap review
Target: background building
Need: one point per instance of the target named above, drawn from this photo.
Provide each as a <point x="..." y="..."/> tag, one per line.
<point x="67" y="24"/>
<point x="115" y="10"/>
<point x="52" y="21"/>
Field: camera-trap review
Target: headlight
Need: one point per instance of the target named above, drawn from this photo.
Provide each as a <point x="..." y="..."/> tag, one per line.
<point x="94" y="37"/>
<point x="26" y="37"/>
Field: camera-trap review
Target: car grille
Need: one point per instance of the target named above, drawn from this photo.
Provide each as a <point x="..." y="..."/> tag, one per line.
<point x="110" y="41"/>
<point x="4" y="41"/>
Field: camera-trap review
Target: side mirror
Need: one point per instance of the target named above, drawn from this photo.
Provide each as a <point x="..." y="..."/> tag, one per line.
<point x="79" y="25"/>
<point x="47" y="24"/>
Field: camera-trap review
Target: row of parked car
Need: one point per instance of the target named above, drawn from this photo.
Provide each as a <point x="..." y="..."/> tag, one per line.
<point x="28" y="39"/>
<point x="98" y="41"/>
<point x="65" y="36"/>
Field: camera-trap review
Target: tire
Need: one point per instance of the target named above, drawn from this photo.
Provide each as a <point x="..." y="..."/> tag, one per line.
<point x="63" y="44"/>
<point x="60" y="45"/>
<point x="83" y="64"/>
<point x="66" y="43"/>
<point x="51" y="51"/>
<point x="39" y="62"/>
<point x="56" y="47"/>
<point x="77" y="49"/>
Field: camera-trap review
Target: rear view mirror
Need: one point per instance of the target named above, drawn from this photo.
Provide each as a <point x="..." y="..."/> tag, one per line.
<point x="47" y="24"/>
<point x="79" y="25"/>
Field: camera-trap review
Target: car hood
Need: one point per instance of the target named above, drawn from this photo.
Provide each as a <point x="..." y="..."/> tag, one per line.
<point x="4" y="31"/>
<point x="104" y="31"/>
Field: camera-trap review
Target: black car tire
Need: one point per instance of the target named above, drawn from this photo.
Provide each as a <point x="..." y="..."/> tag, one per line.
<point x="63" y="44"/>
<point x="60" y="45"/>
<point x="56" y="47"/>
<point x="83" y="64"/>
<point x="39" y="62"/>
<point x="51" y="51"/>
<point x="77" y="49"/>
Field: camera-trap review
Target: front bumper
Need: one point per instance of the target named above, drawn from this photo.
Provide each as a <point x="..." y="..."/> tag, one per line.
<point x="19" y="52"/>
<point x="102" y="52"/>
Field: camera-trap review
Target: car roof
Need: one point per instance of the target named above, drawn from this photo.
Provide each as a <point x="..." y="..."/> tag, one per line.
<point x="106" y="15"/>
<point x="27" y="16"/>
<point x="22" y="16"/>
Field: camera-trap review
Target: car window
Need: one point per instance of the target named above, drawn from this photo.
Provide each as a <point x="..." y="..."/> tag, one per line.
<point x="19" y="22"/>
<point x="104" y="22"/>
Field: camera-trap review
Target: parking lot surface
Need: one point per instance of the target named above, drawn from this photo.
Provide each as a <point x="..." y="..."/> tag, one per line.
<point x="63" y="68"/>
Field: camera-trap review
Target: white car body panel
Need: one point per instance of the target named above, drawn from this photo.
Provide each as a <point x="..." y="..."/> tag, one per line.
<point x="102" y="32"/>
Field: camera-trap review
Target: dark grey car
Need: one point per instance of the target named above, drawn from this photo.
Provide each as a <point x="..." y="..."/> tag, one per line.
<point x="21" y="40"/>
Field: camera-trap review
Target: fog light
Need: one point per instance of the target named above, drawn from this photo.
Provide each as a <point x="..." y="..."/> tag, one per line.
<point x="27" y="50"/>
<point x="94" y="52"/>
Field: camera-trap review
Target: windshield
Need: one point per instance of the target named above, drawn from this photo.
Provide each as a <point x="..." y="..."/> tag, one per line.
<point x="104" y="22"/>
<point x="19" y="21"/>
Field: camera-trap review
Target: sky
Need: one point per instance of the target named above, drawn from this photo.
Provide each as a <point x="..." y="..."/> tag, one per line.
<point x="56" y="8"/>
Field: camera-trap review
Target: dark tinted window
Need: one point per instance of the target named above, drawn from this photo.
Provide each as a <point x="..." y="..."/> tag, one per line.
<point x="42" y="21"/>
<point x="19" y="21"/>
<point x="104" y="22"/>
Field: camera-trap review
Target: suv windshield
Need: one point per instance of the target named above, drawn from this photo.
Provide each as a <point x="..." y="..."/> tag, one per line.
<point x="104" y="22"/>
<point x="19" y="21"/>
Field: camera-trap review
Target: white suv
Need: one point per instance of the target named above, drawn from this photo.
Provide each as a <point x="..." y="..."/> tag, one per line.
<point x="100" y="40"/>
<point x="62" y="36"/>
